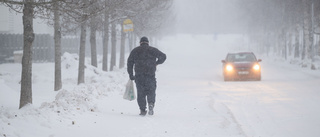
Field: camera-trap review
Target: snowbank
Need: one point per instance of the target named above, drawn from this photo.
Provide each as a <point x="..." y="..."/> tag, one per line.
<point x="308" y="64"/>
<point x="83" y="97"/>
<point x="72" y="99"/>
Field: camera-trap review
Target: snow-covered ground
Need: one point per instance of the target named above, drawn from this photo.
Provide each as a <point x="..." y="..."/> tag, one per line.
<point x="192" y="98"/>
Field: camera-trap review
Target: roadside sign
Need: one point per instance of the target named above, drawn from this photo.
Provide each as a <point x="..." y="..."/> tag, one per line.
<point x="127" y="25"/>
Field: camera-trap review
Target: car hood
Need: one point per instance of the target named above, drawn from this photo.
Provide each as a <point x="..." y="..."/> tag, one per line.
<point x="243" y="64"/>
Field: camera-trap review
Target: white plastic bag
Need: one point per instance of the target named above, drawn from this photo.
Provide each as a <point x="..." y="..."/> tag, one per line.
<point x="129" y="94"/>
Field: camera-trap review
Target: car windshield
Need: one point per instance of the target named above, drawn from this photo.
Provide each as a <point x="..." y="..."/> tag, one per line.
<point x="241" y="57"/>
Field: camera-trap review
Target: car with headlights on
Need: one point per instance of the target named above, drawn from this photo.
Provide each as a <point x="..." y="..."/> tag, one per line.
<point x="241" y="66"/>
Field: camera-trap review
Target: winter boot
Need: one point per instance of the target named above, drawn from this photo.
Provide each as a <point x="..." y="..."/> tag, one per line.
<point x="143" y="112"/>
<point x="151" y="106"/>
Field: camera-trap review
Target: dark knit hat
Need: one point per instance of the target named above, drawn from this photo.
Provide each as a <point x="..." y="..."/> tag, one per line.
<point x="144" y="39"/>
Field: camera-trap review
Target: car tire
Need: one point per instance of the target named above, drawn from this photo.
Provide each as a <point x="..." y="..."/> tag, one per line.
<point x="258" y="78"/>
<point x="227" y="79"/>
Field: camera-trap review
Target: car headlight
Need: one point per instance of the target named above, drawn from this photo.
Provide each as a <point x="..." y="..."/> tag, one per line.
<point x="229" y="67"/>
<point x="256" y="67"/>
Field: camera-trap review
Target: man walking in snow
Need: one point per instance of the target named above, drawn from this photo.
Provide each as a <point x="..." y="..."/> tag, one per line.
<point x="144" y="60"/>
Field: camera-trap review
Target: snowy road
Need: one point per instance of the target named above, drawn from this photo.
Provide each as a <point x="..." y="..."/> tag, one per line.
<point x="284" y="104"/>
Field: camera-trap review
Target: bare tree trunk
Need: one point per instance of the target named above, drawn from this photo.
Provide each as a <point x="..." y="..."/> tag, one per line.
<point x="28" y="37"/>
<point x="134" y="40"/>
<point x="57" y="45"/>
<point x="82" y="52"/>
<point x="93" y="29"/>
<point x="113" y="46"/>
<point x="279" y="44"/>
<point x="318" y="46"/>
<point x="305" y="42"/>
<point x="307" y="36"/>
<point x="122" y="48"/>
<point x="105" y="40"/>
<point x="297" y="42"/>
<point x="285" y="44"/>
<point x="290" y="45"/>
<point x="130" y="37"/>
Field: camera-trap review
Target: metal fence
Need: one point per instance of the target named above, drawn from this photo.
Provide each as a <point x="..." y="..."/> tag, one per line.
<point x="11" y="45"/>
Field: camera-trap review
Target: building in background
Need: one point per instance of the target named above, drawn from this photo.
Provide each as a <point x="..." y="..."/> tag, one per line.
<point x="6" y="20"/>
<point x="11" y="22"/>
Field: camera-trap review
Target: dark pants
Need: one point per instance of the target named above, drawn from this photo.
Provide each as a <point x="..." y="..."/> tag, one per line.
<point x="146" y="89"/>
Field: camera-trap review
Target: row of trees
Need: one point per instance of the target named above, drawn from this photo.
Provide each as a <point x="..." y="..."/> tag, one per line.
<point x="76" y="16"/>
<point x="289" y="27"/>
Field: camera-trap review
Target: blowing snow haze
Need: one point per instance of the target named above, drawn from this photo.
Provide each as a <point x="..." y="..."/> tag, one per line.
<point x="207" y="16"/>
<point x="193" y="98"/>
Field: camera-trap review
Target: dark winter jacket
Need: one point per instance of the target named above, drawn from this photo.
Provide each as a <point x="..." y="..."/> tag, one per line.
<point x="144" y="59"/>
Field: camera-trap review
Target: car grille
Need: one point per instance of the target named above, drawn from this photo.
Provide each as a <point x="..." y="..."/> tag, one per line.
<point x="242" y="68"/>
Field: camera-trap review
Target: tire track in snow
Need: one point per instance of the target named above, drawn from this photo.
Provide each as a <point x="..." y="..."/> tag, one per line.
<point x="223" y="110"/>
<point x="251" y="106"/>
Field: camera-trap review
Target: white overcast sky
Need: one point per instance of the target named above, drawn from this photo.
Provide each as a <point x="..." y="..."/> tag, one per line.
<point x="206" y="16"/>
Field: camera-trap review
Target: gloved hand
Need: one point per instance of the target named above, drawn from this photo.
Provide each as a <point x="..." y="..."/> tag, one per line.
<point x="132" y="77"/>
